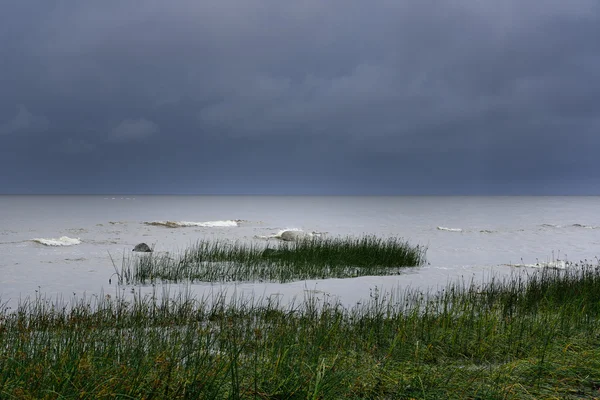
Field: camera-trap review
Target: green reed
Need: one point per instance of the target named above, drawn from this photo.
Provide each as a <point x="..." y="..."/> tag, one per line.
<point x="310" y="258"/>
<point x="535" y="336"/>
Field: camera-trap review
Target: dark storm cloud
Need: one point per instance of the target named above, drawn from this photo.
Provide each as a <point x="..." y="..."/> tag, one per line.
<point x="24" y="121"/>
<point x="338" y="96"/>
<point x="134" y="129"/>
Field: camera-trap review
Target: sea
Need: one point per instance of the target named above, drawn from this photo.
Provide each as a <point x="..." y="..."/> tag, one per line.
<point x="68" y="247"/>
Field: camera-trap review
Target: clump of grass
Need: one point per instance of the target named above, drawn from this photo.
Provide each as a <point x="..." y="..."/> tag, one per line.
<point x="366" y="251"/>
<point x="517" y="338"/>
<point x="309" y="258"/>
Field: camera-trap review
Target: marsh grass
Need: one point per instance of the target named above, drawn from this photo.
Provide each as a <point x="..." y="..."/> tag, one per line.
<point x="309" y="258"/>
<point x="518" y="338"/>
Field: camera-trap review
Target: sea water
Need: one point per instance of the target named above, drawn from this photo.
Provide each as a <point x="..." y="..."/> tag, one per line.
<point x="61" y="246"/>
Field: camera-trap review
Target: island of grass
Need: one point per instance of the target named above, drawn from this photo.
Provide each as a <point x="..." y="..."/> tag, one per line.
<point x="528" y="338"/>
<point x="307" y="258"/>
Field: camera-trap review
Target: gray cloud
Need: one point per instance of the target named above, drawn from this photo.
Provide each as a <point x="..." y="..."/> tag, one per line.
<point x="75" y="146"/>
<point x="24" y="122"/>
<point x="134" y="129"/>
<point x="467" y="95"/>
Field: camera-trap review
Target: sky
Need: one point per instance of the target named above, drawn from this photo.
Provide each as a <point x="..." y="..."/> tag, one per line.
<point x="379" y="97"/>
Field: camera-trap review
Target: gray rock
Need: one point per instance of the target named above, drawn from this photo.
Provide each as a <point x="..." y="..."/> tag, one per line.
<point x="291" y="236"/>
<point x="142" y="247"/>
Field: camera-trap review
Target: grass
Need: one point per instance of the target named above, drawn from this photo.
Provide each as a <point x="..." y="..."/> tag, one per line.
<point x="519" y="338"/>
<point x="310" y="258"/>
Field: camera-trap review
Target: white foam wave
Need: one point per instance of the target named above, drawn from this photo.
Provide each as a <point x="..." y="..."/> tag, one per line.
<point x="583" y="226"/>
<point x="265" y="237"/>
<point x="557" y="264"/>
<point x="184" y="224"/>
<point x="551" y="226"/>
<point x="443" y="228"/>
<point x="61" y="241"/>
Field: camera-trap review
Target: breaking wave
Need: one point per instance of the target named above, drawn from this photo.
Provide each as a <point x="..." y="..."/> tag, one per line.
<point x="443" y="228"/>
<point x="585" y="226"/>
<point x="558" y="264"/>
<point x="572" y="226"/>
<point x="185" y="224"/>
<point x="61" y="241"/>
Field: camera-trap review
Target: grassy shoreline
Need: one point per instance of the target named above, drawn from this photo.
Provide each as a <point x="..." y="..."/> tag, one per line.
<point x="309" y="258"/>
<point x="512" y="339"/>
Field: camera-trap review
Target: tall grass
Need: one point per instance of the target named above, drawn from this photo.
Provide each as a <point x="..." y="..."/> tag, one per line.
<point x="508" y="339"/>
<point x="310" y="258"/>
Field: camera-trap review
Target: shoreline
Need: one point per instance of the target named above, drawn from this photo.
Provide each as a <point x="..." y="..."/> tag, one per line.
<point x="463" y="341"/>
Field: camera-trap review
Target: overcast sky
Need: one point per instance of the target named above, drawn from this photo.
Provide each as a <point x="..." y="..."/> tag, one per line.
<point x="300" y="97"/>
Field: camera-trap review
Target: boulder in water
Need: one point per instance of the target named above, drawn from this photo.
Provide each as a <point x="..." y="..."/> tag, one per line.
<point x="291" y="236"/>
<point x="143" y="248"/>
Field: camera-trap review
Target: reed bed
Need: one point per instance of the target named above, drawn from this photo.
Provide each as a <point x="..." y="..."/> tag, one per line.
<point x="518" y="338"/>
<point x="309" y="258"/>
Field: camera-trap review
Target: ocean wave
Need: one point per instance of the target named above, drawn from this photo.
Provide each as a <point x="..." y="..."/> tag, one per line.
<point x="557" y="264"/>
<point x="77" y="230"/>
<point x="585" y="226"/>
<point x="15" y="242"/>
<point x="551" y="226"/>
<point x="443" y="228"/>
<point x="61" y="241"/>
<point x="185" y="224"/>
<point x="487" y="231"/>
